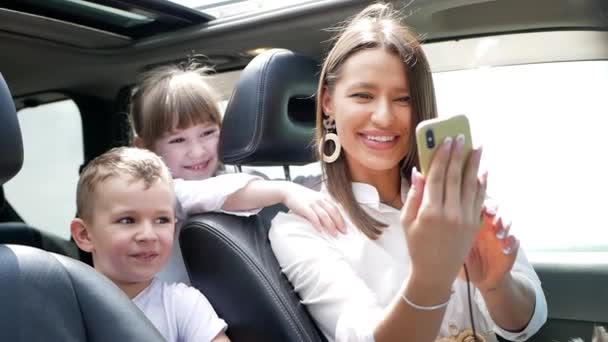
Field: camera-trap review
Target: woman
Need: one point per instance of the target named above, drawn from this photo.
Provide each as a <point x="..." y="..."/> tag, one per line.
<point x="398" y="274"/>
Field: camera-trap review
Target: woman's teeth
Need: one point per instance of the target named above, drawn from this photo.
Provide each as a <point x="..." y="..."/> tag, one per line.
<point x="380" y="138"/>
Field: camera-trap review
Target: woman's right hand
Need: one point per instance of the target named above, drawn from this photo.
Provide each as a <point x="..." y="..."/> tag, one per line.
<point x="441" y="215"/>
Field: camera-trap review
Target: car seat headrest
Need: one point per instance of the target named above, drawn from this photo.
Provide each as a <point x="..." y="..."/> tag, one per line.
<point x="11" y="144"/>
<point x="270" y="117"/>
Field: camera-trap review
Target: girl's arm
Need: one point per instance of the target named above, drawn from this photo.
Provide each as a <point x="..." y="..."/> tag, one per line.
<point x="316" y="207"/>
<point x="241" y="193"/>
<point x="200" y="196"/>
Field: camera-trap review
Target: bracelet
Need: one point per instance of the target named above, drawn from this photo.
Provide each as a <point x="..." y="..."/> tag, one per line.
<point x="427" y="308"/>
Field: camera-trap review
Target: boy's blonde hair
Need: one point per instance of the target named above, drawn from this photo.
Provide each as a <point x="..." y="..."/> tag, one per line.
<point x="175" y="96"/>
<point x="139" y="164"/>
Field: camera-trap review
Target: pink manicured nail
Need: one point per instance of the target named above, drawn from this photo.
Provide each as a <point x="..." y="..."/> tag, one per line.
<point x="460" y="141"/>
<point x="490" y="208"/>
<point x="511" y="246"/>
<point x="447" y="143"/>
<point x="500" y="234"/>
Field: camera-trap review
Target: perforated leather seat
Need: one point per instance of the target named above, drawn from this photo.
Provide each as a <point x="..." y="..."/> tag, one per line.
<point x="269" y="121"/>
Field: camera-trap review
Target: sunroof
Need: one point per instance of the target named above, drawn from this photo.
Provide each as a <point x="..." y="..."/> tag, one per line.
<point x="132" y="18"/>
<point x="220" y="9"/>
<point x="111" y="15"/>
<point x="143" y="18"/>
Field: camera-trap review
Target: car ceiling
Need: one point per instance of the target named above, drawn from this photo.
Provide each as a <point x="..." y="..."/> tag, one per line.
<point x="41" y="55"/>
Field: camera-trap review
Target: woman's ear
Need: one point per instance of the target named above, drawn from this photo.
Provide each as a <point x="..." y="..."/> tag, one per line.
<point x="138" y="142"/>
<point x="326" y="103"/>
<point x="81" y="236"/>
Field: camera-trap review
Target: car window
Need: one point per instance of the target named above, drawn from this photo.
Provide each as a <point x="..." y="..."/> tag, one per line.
<point x="44" y="191"/>
<point x="539" y="115"/>
<point x="542" y="129"/>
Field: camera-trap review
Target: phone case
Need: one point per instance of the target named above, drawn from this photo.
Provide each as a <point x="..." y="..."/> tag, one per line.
<point x="430" y="134"/>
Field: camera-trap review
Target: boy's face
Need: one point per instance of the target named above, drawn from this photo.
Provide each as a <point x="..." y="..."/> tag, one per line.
<point x="190" y="153"/>
<point x="131" y="229"/>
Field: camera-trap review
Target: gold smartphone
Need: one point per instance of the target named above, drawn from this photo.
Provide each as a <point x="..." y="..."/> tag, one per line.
<point x="430" y="134"/>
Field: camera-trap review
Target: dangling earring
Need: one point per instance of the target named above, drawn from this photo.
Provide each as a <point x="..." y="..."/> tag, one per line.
<point x="330" y="128"/>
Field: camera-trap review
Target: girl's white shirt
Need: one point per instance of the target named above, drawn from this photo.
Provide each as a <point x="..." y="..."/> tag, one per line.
<point x="347" y="282"/>
<point x="200" y="196"/>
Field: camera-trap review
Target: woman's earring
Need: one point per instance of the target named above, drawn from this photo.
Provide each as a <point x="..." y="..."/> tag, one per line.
<point x="330" y="127"/>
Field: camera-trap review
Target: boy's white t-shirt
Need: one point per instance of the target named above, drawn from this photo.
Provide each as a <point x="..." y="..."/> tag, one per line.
<point x="179" y="312"/>
<point x="200" y="196"/>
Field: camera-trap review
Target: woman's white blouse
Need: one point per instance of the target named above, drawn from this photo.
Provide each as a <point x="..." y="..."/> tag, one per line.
<point x="346" y="282"/>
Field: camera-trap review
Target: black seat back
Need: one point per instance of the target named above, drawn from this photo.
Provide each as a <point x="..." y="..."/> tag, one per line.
<point x="19" y="233"/>
<point x="49" y="297"/>
<point x="269" y="121"/>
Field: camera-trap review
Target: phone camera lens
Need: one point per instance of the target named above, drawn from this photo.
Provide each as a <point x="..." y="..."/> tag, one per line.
<point x="430" y="138"/>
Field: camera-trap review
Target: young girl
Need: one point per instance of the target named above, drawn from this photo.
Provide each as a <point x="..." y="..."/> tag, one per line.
<point x="175" y="115"/>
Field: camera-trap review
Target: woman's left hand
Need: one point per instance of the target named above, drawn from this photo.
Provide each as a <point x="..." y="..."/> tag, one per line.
<point x="493" y="253"/>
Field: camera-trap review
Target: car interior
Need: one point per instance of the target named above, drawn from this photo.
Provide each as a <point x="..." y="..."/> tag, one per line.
<point x="267" y="65"/>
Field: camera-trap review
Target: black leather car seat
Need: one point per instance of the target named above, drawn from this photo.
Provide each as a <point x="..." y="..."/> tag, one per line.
<point x="269" y="121"/>
<point x="49" y="297"/>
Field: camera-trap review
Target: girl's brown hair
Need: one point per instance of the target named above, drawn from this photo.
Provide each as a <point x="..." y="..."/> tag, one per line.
<point x="377" y="26"/>
<point x="175" y="96"/>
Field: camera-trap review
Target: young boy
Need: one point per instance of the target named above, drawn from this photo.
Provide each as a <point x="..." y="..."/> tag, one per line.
<point x="126" y="219"/>
<point x="126" y="205"/>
